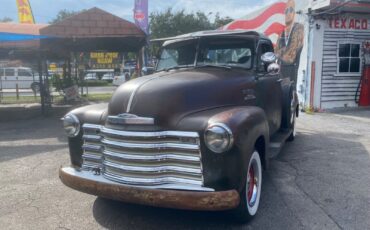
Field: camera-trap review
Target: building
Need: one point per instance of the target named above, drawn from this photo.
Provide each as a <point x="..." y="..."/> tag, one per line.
<point x="321" y="41"/>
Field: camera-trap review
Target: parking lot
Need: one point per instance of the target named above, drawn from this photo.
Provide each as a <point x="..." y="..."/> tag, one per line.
<point x="320" y="181"/>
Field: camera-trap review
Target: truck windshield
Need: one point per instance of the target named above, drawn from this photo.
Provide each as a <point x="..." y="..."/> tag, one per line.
<point x="222" y="52"/>
<point x="177" y="55"/>
<point x="226" y="52"/>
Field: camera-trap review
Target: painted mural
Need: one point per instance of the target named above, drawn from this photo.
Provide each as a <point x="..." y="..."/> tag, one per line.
<point x="284" y="23"/>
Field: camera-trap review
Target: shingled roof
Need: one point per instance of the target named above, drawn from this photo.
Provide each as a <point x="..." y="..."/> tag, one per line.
<point x="93" y="30"/>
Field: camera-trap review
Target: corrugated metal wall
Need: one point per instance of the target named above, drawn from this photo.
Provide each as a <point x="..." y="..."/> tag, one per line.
<point x="337" y="90"/>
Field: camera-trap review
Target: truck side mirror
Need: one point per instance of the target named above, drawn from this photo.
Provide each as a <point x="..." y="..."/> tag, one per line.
<point x="268" y="58"/>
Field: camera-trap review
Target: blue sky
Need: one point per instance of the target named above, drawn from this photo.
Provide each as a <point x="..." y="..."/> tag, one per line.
<point x="45" y="10"/>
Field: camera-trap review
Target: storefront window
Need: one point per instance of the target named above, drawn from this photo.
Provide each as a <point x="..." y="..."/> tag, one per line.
<point x="349" y="58"/>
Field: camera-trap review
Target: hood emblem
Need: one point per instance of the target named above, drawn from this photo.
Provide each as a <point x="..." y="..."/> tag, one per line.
<point x="130" y="119"/>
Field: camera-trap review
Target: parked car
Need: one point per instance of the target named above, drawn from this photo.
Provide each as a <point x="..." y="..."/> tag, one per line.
<point x="10" y="77"/>
<point x="195" y="135"/>
<point x="120" y="79"/>
<point x="109" y="77"/>
<point x="91" y="77"/>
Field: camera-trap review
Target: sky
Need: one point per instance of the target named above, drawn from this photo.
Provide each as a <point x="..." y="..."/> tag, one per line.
<point x="46" y="10"/>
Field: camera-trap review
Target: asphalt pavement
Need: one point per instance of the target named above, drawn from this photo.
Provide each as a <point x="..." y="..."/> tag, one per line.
<point x="319" y="181"/>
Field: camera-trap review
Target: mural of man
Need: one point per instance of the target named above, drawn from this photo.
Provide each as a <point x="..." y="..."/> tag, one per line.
<point x="290" y="43"/>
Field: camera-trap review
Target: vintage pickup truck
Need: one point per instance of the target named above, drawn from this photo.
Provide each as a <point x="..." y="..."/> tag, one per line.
<point x="194" y="135"/>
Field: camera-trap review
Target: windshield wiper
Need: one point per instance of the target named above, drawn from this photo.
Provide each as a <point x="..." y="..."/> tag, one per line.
<point x="215" y="66"/>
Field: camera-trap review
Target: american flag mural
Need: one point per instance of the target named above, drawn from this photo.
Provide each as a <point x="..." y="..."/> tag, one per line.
<point x="269" y="20"/>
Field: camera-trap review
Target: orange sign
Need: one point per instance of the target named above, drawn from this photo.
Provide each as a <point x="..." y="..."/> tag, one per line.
<point x="25" y="12"/>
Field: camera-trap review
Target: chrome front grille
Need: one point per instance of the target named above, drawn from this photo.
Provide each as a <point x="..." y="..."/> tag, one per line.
<point x="166" y="158"/>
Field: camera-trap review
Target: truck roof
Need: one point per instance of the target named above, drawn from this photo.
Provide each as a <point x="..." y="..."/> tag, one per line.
<point x="211" y="33"/>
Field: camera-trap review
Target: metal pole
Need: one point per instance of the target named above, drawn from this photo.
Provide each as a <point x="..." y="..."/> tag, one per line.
<point x="41" y="85"/>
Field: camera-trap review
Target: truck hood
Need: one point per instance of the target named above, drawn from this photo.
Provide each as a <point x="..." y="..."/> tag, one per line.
<point x="169" y="96"/>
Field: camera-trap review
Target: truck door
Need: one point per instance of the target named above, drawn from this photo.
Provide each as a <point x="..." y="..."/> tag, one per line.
<point x="269" y="90"/>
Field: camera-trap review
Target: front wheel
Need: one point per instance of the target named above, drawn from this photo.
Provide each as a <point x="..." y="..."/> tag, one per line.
<point x="251" y="193"/>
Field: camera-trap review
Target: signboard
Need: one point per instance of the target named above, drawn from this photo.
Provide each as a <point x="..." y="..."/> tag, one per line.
<point x="141" y="15"/>
<point x="349" y="23"/>
<point x="71" y="93"/>
<point x="104" y="60"/>
<point x="318" y="4"/>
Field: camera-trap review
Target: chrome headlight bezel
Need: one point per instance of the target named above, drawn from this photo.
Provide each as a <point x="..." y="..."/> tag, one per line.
<point x="71" y="125"/>
<point x="218" y="138"/>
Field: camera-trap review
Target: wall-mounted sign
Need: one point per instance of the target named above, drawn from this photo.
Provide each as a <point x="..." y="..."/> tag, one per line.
<point x="104" y="60"/>
<point x="349" y="23"/>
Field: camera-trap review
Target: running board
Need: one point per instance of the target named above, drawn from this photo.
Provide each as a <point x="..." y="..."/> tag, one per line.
<point x="277" y="142"/>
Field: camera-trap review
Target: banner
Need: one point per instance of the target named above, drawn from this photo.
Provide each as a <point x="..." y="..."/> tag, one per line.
<point x="141" y="15"/>
<point x="25" y="12"/>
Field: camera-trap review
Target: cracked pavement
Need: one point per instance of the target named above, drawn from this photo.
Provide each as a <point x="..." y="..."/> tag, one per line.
<point x="319" y="181"/>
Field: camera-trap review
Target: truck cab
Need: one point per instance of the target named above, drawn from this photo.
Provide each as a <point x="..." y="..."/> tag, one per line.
<point x="196" y="134"/>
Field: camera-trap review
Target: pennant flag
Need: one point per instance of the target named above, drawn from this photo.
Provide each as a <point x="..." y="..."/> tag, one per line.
<point x="25" y="12"/>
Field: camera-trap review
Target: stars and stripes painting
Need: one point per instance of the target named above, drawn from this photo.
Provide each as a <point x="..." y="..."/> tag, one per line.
<point x="269" y="20"/>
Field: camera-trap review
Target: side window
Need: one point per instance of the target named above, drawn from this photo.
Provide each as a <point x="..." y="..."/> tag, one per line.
<point x="24" y="73"/>
<point x="9" y="72"/>
<point x="349" y="58"/>
<point x="1" y="72"/>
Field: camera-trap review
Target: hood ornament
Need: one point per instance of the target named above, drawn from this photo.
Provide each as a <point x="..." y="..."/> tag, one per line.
<point x="130" y="119"/>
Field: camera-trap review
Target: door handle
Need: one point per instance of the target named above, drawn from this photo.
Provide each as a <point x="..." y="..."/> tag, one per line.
<point x="279" y="80"/>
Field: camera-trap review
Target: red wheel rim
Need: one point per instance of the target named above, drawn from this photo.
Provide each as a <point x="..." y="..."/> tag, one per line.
<point x="250" y="183"/>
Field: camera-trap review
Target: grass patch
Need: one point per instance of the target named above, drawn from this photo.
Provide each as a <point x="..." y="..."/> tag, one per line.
<point x="98" y="97"/>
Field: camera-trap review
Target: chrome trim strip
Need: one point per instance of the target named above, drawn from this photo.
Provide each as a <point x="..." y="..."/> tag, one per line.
<point x="154" y="158"/>
<point x="92" y="126"/>
<point x="93" y="138"/>
<point x="157" y="169"/>
<point x="129" y="104"/>
<point x="161" y="134"/>
<point x="93" y="148"/>
<point x="121" y="120"/>
<point x="159" y="146"/>
<point x="99" y="178"/>
<point x="92" y="157"/>
<point x="150" y="182"/>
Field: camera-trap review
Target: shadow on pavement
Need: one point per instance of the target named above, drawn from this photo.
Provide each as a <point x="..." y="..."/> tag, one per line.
<point x="314" y="172"/>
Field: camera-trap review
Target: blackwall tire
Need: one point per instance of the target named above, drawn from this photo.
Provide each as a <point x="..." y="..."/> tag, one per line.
<point x="251" y="193"/>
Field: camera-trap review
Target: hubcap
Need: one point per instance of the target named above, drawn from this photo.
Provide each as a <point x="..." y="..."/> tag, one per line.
<point x="252" y="181"/>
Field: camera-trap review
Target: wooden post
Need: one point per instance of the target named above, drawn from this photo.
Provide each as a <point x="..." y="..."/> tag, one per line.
<point x="312" y="88"/>
<point x="17" y="91"/>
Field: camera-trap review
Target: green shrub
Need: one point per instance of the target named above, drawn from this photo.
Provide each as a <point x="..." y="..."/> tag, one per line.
<point x="95" y="83"/>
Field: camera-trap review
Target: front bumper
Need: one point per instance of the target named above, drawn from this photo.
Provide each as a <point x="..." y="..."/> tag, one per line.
<point x="187" y="200"/>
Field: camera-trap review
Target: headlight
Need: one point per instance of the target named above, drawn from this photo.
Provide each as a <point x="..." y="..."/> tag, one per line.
<point x="71" y="125"/>
<point x="218" y="138"/>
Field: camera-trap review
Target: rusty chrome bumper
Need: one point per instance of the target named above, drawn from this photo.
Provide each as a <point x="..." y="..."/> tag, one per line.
<point x="187" y="200"/>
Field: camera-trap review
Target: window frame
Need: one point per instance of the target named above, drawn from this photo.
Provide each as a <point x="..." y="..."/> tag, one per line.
<point x="345" y="74"/>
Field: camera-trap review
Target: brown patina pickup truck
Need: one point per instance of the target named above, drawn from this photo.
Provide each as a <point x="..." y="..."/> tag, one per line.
<point x="194" y="135"/>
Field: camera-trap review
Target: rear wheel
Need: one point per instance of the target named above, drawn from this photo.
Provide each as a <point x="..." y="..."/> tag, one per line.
<point x="251" y="193"/>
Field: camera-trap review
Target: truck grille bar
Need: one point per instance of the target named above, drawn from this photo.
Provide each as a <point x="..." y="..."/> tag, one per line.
<point x="166" y="158"/>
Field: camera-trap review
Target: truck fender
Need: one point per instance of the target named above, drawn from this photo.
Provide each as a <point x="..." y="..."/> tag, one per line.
<point x="249" y="126"/>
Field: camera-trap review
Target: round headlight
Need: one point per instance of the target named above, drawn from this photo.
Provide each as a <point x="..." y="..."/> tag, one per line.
<point x="71" y="125"/>
<point x="218" y="138"/>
